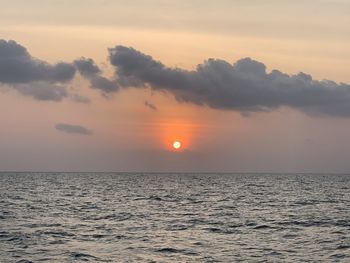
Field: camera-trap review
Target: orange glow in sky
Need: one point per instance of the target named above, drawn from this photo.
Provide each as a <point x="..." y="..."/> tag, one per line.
<point x="177" y="135"/>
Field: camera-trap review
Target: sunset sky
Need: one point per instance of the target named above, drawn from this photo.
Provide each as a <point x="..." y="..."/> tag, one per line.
<point x="109" y="85"/>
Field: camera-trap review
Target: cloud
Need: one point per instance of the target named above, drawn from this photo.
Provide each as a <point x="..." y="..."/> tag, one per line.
<point x="73" y="129"/>
<point x="244" y="86"/>
<point x="42" y="91"/>
<point x="150" y="106"/>
<point x="18" y="66"/>
<point x="80" y="99"/>
<point x="33" y="77"/>
<point x="88" y="69"/>
<point x="104" y="84"/>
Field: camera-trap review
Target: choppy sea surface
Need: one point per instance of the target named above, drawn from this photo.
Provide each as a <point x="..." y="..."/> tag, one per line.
<point x="134" y="217"/>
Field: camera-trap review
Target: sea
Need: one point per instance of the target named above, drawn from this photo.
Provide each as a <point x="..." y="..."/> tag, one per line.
<point x="174" y="217"/>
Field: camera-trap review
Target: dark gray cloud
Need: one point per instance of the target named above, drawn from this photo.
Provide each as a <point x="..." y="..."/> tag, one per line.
<point x="33" y="77"/>
<point x="104" y="84"/>
<point x="18" y="66"/>
<point x="88" y="69"/>
<point x="75" y="129"/>
<point x="244" y="86"/>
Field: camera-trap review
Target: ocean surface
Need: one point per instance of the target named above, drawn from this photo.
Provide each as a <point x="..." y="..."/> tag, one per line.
<point x="134" y="217"/>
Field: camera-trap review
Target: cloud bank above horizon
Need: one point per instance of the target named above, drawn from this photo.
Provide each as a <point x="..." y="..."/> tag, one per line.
<point x="243" y="86"/>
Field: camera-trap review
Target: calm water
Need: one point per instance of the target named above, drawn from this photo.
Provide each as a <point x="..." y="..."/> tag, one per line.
<point x="99" y="217"/>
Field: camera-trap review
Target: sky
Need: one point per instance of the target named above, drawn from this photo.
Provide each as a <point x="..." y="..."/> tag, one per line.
<point x="245" y="86"/>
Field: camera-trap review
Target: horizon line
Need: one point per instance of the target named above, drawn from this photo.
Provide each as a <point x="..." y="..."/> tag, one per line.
<point x="179" y="172"/>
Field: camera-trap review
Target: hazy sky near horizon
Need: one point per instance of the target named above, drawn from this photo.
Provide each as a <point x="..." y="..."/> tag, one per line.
<point x="123" y="111"/>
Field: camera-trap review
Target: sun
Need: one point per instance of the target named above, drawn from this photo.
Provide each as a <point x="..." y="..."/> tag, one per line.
<point x="176" y="145"/>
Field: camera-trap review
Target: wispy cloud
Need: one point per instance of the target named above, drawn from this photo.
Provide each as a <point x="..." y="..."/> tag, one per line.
<point x="150" y="105"/>
<point x="73" y="129"/>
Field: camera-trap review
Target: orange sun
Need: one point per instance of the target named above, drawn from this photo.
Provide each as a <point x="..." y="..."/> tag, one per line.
<point x="176" y="145"/>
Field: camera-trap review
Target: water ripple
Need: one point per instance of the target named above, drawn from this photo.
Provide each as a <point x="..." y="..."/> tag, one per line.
<point x="109" y="217"/>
